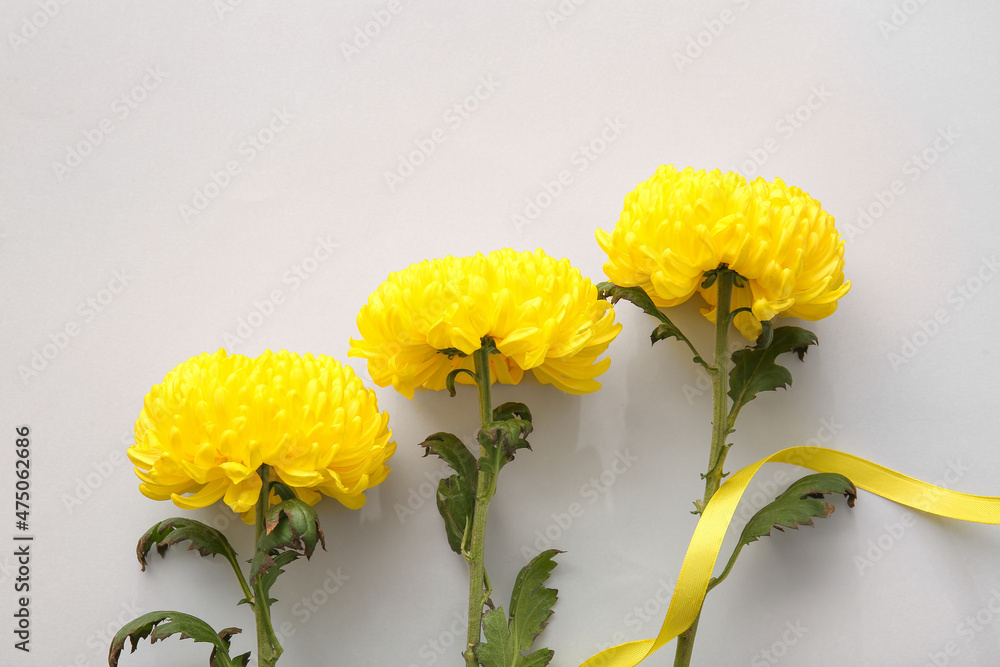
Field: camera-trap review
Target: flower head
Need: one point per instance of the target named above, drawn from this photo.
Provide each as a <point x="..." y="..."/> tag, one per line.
<point x="679" y="224"/>
<point x="216" y="418"/>
<point x="541" y="314"/>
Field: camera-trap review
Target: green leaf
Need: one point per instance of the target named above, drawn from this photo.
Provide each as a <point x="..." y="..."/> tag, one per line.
<point x="456" y="495"/>
<point x="664" y="331"/>
<point x="206" y="540"/>
<point x="796" y="506"/>
<point x="499" y="440"/>
<point x="637" y="295"/>
<point x="158" y="625"/>
<point x="268" y="568"/>
<point x="291" y="526"/>
<point x="450" y="449"/>
<point x="754" y="369"/>
<point x="531" y="602"/>
<point x="666" y="328"/>
<point x="511" y="410"/>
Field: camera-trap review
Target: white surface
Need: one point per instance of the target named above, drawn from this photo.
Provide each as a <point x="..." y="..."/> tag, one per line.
<point x="210" y="79"/>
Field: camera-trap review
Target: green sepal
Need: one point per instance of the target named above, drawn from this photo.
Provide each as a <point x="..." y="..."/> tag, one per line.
<point x="456" y="495"/>
<point x="754" y="369"/>
<point x="282" y="490"/>
<point x="508" y="638"/>
<point x="158" y="625"/>
<point x="796" y="506"/>
<point x="204" y="539"/>
<point x="449" y="382"/>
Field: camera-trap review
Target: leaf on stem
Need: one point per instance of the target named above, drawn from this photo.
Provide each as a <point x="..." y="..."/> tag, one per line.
<point x="754" y="369"/>
<point x="206" y="540"/>
<point x="530" y="608"/>
<point x="796" y="506"/>
<point x="637" y="295"/>
<point x="499" y="440"/>
<point x="292" y="526"/>
<point x="456" y="495"/>
<point x="158" y="625"/>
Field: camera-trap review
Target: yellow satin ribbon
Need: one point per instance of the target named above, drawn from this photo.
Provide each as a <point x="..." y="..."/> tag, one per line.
<point x="699" y="562"/>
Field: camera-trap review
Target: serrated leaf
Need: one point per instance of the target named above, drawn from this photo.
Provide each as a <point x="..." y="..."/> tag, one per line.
<point x="268" y="568"/>
<point x="499" y="440"/>
<point x="292" y="527"/>
<point x="530" y="608"/>
<point x="531" y="602"/>
<point x="206" y="540"/>
<point x="158" y="625"/>
<point x="754" y="369"/>
<point x="664" y="331"/>
<point x="637" y="295"/>
<point x="796" y="506"/>
<point x="450" y="449"/>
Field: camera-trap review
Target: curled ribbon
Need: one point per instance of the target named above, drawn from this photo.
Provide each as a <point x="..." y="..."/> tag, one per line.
<point x="699" y="562"/>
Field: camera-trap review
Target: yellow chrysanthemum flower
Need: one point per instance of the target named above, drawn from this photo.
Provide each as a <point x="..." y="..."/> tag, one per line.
<point x="215" y="419"/>
<point x="680" y="224"/>
<point x="540" y="312"/>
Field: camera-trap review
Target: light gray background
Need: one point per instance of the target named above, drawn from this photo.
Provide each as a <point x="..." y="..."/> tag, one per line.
<point x="886" y="80"/>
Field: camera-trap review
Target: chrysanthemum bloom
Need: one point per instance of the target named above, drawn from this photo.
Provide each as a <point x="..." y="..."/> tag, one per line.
<point x="680" y="224"/>
<point x="215" y="419"/>
<point x="540" y="312"/>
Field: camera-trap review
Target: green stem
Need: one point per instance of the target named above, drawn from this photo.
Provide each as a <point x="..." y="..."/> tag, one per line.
<point x="720" y="429"/>
<point x="268" y="648"/>
<point x="486" y="484"/>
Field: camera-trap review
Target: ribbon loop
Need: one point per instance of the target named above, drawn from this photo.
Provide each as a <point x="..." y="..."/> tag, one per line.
<point x="703" y="551"/>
